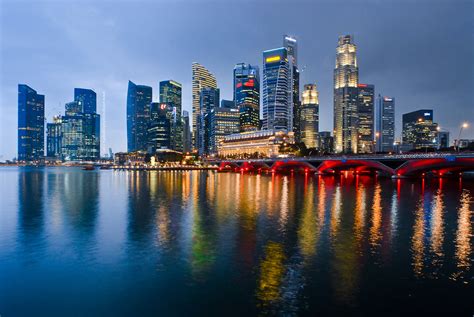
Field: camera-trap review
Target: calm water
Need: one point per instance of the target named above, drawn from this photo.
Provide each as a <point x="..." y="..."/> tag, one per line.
<point x="106" y="243"/>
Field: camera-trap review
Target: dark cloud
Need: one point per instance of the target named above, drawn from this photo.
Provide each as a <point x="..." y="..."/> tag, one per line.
<point x="417" y="51"/>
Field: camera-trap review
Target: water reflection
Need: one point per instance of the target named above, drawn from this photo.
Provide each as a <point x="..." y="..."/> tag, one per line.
<point x="270" y="244"/>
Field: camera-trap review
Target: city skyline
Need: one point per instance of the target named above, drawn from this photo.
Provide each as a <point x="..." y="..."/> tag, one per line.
<point x="412" y="93"/>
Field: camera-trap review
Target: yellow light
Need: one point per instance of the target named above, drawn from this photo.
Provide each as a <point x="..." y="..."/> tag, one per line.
<point x="465" y="125"/>
<point x="272" y="59"/>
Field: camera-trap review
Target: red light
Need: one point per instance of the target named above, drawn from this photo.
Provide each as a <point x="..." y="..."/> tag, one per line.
<point x="238" y="85"/>
<point x="249" y="83"/>
<point x="362" y="85"/>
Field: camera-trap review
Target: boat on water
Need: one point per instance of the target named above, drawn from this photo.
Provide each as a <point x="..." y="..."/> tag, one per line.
<point x="88" y="168"/>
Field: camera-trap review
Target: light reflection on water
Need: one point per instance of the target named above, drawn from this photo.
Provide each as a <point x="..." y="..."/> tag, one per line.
<point x="136" y="243"/>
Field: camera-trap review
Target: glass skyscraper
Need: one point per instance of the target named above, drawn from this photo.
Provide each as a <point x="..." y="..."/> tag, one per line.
<point x="346" y="79"/>
<point x="209" y="99"/>
<point x="160" y="127"/>
<point x="202" y="78"/>
<point x="171" y="94"/>
<point x="187" y="138"/>
<point x="385" y="124"/>
<point x="73" y="127"/>
<point x="365" y="122"/>
<point x="277" y="90"/>
<point x="139" y="98"/>
<point x="54" y="138"/>
<point x="309" y="116"/>
<point x="30" y="124"/>
<point x="219" y="123"/>
<point x="291" y="44"/>
<point x="87" y="98"/>
<point x="247" y="95"/>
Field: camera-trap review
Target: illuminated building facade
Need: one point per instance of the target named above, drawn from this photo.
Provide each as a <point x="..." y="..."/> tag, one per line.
<point x="326" y="142"/>
<point x="277" y="90"/>
<point x="219" y="123"/>
<point x="419" y="130"/>
<point x="139" y="98"/>
<point x="171" y="94"/>
<point x="30" y="124"/>
<point x="54" y="137"/>
<point x="291" y="45"/>
<point x="87" y="98"/>
<point x="73" y="132"/>
<point x="160" y="126"/>
<point x="346" y="79"/>
<point x="309" y="116"/>
<point x="385" y="124"/>
<point x="365" y="123"/>
<point x="264" y="143"/>
<point x="202" y="78"/>
<point x="247" y="95"/>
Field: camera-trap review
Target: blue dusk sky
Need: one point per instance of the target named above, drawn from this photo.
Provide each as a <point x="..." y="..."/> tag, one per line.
<point x="420" y="52"/>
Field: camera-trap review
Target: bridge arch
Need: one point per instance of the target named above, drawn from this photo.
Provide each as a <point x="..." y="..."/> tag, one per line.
<point x="438" y="165"/>
<point x="356" y="165"/>
<point x="293" y="165"/>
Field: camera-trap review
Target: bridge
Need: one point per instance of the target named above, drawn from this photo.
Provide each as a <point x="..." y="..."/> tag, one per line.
<point x="396" y="166"/>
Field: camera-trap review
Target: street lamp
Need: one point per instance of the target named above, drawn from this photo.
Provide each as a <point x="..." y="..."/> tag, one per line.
<point x="465" y="125"/>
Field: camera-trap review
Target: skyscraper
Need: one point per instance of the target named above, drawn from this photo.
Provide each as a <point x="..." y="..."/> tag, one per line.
<point x="419" y="130"/>
<point x="209" y="100"/>
<point x="220" y="122"/>
<point x="54" y="137"/>
<point x="139" y="98"/>
<point x="365" y="123"/>
<point x="171" y="94"/>
<point x="87" y="98"/>
<point x="277" y="90"/>
<point x="247" y="95"/>
<point x="385" y="124"/>
<point x="309" y="116"/>
<point x="73" y="132"/>
<point x="30" y="124"/>
<point x="346" y="78"/>
<point x="187" y="138"/>
<point x="202" y="78"/>
<point x="160" y="126"/>
<point x="291" y="45"/>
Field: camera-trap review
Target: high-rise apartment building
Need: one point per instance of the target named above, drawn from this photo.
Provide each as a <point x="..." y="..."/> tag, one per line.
<point x="202" y="78"/>
<point x="346" y="79"/>
<point x="139" y="98"/>
<point x="277" y="90"/>
<point x="385" y="124"/>
<point x="247" y="95"/>
<point x="309" y="116"/>
<point x="365" y="123"/>
<point x="291" y="45"/>
<point x="30" y="124"/>
<point x="419" y="130"/>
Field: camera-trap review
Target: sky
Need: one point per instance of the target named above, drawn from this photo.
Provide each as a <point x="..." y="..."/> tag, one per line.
<point x="420" y="52"/>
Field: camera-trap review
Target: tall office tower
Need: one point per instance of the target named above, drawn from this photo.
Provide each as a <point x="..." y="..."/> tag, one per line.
<point x="202" y="78"/>
<point x="419" y="130"/>
<point x="290" y="43"/>
<point x="54" y="137"/>
<point x="346" y="78"/>
<point x="227" y="103"/>
<point x="30" y="124"/>
<point x="385" y="124"/>
<point x="187" y="137"/>
<point x="73" y="132"/>
<point x="159" y="132"/>
<point x="365" y="112"/>
<point x="443" y="139"/>
<point x="209" y="100"/>
<point x="171" y="94"/>
<point x="309" y="116"/>
<point x="277" y="90"/>
<point x="247" y="95"/>
<point x="87" y="99"/>
<point x="138" y="115"/>
<point x="219" y="123"/>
